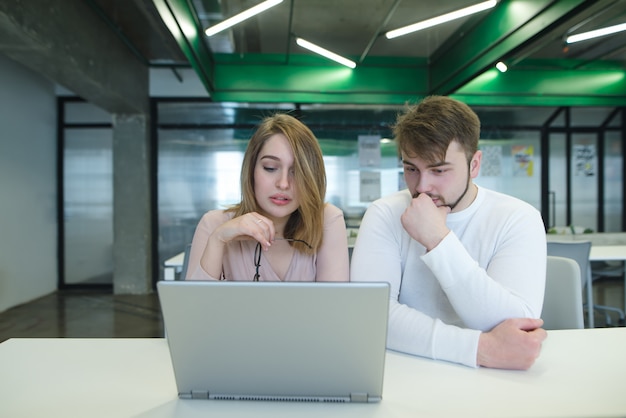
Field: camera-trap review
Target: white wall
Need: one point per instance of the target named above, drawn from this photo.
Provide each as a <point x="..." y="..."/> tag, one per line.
<point x="28" y="224"/>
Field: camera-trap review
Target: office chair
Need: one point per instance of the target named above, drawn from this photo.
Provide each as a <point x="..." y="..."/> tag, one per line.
<point x="579" y="252"/>
<point x="183" y="272"/>
<point x="563" y="299"/>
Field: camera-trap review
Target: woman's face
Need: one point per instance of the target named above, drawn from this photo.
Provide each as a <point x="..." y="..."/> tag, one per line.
<point x="274" y="185"/>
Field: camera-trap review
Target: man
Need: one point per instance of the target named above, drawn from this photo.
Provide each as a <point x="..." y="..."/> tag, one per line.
<point x="466" y="265"/>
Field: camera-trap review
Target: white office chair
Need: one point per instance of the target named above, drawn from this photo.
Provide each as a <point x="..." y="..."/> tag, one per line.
<point x="563" y="301"/>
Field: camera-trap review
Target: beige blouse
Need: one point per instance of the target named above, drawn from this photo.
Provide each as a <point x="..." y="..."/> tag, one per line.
<point x="330" y="263"/>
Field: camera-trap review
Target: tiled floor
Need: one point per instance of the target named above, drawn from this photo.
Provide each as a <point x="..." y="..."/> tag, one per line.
<point x="84" y="314"/>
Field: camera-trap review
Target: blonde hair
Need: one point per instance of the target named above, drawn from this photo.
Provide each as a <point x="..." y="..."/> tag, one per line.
<point x="307" y="222"/>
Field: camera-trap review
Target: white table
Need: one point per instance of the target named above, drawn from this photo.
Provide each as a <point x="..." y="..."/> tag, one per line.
<point x="579" y="374"/>
<point x="607" y="252"/>
<point x="172" y="266"/>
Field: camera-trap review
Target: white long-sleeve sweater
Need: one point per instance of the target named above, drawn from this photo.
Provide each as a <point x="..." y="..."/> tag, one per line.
<point x="492" y="266"/>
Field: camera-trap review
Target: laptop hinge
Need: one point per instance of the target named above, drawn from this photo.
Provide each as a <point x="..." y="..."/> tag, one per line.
<point x="199" y="394"/>
<point x="358" y="397"/>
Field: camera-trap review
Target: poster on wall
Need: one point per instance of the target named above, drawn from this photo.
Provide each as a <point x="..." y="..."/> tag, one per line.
<point x="584" y="157"/>
<point x="523" y="159"/>
<point x="369" y="150"/>
<point x="369" y="182"/>
<point x="491" y="164"/>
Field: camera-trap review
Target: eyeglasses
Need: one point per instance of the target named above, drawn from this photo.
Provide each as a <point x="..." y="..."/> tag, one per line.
<point x="257" y="254"/>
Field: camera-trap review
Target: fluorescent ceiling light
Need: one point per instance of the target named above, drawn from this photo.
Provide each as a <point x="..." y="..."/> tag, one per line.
<point x="246" y="14"/>
<point x="595" y="33"/>
<point x="325" y="53"/>
<point x="501" y="67"/>
<point x="441" y="19"/>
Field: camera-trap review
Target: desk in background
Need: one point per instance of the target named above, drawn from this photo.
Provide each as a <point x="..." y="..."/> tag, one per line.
<point x="579" y="374"/>
<point x="173" y="266"/>
<point x="608" y="252"/>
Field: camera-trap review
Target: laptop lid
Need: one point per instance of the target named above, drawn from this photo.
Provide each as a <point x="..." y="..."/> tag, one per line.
<point x="288" y="341"/>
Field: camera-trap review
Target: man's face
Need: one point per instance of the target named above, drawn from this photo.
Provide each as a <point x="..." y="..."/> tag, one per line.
<point x="448" y="182"/>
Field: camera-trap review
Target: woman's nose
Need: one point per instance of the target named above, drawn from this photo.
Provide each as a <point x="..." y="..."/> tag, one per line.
<point x="283" y="181"/>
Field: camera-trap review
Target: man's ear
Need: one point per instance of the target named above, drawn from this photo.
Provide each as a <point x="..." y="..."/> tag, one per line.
<point x="474" y="166"/>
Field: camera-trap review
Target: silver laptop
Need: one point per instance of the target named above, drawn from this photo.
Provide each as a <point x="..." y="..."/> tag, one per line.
<point x="294" y="341"/>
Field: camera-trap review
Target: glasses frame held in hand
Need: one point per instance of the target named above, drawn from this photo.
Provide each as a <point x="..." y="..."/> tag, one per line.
<point x="258" y="250"/>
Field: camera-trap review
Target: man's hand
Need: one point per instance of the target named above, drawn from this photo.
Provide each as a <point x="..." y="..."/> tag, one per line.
<point x="512" y="344"/>
<point x="425" y="222"/>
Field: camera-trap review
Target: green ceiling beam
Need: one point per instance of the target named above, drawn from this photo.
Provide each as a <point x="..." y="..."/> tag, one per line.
<point x="311" y="79"/>
<point x="511" y="25"/>
<point x="181" y="19"/>
<point x="551" y="86"/>
<point x="461" y="67"/>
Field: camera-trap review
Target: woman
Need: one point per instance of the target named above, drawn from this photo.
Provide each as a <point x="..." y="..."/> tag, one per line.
<point x="281" y="229"/>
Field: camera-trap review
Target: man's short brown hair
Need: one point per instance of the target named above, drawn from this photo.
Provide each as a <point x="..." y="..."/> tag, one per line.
<point x="425" y="130"/>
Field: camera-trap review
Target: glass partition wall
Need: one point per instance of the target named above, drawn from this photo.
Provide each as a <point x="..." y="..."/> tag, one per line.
<point x="86" y="193"/>
<point x="577" y="181"/>
<point x="586" y="170"/>
<point x="201" y="146"/>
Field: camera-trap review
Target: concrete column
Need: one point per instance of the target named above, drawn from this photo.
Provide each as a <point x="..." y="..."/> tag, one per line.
<point x="132" y="233"/>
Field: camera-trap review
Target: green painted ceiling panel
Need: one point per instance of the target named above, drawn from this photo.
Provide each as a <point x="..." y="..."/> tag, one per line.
<point x="547" y="88"/>
<point x="508" y="27"/>
<point x="310" y="80"/>
<point x="322" y="98"/>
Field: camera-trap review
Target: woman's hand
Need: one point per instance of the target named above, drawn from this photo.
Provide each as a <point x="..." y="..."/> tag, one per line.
<point x="251" y="225"/>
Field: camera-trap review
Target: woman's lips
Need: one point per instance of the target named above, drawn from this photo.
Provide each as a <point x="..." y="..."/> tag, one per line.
<point x="280" y="200"/>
